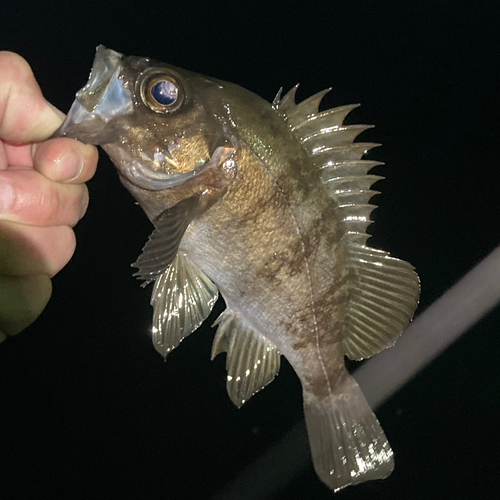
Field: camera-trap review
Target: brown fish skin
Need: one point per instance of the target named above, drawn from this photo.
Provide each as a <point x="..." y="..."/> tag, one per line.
<point x="273" y="244"/>
<point x="265" y="230"/>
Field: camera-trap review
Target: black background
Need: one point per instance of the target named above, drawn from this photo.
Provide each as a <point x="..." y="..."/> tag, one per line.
<point x="88" y="409"/>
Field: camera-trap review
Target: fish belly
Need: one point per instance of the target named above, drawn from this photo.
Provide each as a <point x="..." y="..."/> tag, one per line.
<point x="278" y="263"/>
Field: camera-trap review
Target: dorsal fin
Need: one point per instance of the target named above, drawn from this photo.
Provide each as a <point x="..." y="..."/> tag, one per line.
<point x="252" y="359"/>
<point x="383" y="291"/>
<point x="383" y="295"/>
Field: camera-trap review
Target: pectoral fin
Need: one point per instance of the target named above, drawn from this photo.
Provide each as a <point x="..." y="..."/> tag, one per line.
<point x="182" y="298"/>
<point x="252" y="359"/>
<point x="162" y="246"/>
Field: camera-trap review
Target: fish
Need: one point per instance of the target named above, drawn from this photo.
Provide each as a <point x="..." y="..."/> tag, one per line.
<point x="266" y="204"/>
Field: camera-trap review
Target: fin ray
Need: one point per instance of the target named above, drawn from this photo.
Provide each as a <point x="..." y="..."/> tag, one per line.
<point x="333" y="117"/>
<point x="252" y="359"/>
<point x="182" y="298"/>
<point x="307" y="108"/>
<point x="162" y="246"/>
<point x="348" y="445"/>
<point x="333" y="136"/>
<point x="384" y="294"/>
<point x="287" y="104"/>
<point x="383" y="291"/>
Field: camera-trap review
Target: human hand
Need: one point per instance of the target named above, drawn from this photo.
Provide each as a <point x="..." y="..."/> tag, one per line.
<point x="42" y="195"/>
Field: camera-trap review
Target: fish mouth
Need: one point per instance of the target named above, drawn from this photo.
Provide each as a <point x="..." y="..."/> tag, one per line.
<point x="106" y="63"/>
<point x="91" y="121"/>
<point x="103" y="98"/>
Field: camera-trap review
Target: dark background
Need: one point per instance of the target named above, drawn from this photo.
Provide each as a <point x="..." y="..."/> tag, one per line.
<point x="89" y="410"/>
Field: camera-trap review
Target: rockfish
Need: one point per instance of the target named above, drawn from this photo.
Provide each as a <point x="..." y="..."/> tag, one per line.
<point x="268" y="204"/>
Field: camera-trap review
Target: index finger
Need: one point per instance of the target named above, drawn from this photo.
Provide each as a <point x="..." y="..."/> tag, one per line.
<point x="25" y="115"/>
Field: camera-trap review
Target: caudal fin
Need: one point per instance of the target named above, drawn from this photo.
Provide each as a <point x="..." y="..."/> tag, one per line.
<point x="348" y="446"/>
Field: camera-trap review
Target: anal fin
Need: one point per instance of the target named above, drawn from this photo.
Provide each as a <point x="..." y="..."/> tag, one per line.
<point x="348" y="445"/>
<point x="252" y="359"/>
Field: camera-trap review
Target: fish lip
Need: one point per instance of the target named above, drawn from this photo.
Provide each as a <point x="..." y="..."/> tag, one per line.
<point x="106" y="63"/>
<point x="90" y="113"/>
<point x="81" y="125"/>
<point x="147" y="178"/>
<point x="144" y="177"/>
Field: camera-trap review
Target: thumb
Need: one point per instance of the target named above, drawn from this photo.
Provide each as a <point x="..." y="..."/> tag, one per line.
<point x="25" y="115"/>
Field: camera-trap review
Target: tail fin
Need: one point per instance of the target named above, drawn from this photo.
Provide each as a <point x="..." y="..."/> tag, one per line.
<point x="348" y="445"/>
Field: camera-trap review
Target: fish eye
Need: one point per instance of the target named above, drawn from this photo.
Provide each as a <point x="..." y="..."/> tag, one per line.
<point x="161" y="92"/>
<point x="165" y="92"/>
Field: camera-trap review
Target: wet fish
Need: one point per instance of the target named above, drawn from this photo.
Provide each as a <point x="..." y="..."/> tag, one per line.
<point x="268" y="204"/>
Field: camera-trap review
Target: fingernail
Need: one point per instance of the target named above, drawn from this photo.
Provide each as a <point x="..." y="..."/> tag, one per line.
<point x="2" y="336"/>
<point x="6" y="197"/>
<point x="84" y="204"/>
<point x="69" y="166"/>
<point x="57" y="111"/>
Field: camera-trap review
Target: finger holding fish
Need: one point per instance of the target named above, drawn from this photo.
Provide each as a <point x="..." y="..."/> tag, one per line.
<point x="42" y="195"/>
<point x="25" y="115"/>
<point x="28" y="197"/>
<point x="36" y="241"/>
<point x="30" y="250"/>
<point x="29" y="257"/>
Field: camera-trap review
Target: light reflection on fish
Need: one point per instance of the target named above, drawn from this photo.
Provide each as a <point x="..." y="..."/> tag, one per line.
<point x="268" y="204"/>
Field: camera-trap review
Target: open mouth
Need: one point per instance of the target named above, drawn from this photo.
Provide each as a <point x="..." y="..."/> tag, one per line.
<point x="103" y="98"/>
<point x="106" y="63"/>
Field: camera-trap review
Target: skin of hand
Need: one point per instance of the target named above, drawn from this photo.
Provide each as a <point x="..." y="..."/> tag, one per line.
<point x="42" y="195"/>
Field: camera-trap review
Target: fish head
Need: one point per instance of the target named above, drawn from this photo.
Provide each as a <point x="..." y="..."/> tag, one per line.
<point x="159" y="124"/>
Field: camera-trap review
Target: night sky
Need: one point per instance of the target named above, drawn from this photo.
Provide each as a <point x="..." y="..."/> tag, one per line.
<point x="89" y="410"/>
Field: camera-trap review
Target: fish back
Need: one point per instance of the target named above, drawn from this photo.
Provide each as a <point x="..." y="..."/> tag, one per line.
<point x="383" y="291"/>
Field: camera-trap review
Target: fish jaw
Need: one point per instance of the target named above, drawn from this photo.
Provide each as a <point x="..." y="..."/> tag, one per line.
<point x="152" y="180"/>
<point x="103" y="98"/>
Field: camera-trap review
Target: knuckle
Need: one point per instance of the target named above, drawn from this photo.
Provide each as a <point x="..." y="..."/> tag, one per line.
<point x="52" y="204"/>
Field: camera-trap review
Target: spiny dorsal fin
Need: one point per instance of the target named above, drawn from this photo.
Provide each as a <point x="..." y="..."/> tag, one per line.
<point x="164" y="241"/>
<point x="252" y="359"/>
<point x="383" y="291"/>
<point x="330" y="145"/>
<point x="182" y="299"/>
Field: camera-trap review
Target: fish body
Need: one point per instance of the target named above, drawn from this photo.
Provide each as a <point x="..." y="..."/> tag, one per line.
<point x="268" y="204"/>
